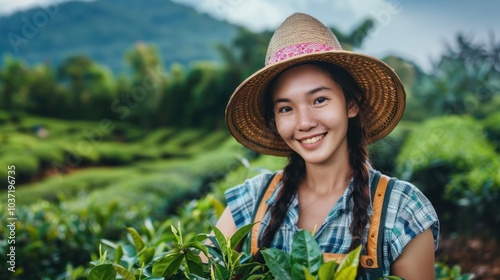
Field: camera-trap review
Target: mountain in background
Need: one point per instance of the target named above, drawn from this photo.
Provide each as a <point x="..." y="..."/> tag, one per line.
<point x="105" y="30"/>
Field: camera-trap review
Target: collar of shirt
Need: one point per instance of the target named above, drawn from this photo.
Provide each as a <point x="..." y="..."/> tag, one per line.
<point x="343" y="205"/>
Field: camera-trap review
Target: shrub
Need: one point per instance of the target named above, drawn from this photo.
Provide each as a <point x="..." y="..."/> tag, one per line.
<point x="177" y="144"/>
<point x="492" y="129"/>
<point x="444" y="272"/>
<point x="52" y="241"/>
<point x="26" y="165"/>
<point x="158" y="136"/>
<point x="70" y="186"/>
<point x="116" y="153"/>
<point x="453" y="163"/>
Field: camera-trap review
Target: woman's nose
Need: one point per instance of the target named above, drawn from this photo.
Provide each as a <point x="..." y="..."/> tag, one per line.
<point x="305" y="120"/>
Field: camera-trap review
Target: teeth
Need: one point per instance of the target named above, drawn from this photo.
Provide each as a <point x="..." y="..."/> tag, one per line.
<point x="312" y="140"/>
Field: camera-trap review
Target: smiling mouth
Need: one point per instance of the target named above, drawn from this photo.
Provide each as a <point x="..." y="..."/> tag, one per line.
<point x="312" y="140"/>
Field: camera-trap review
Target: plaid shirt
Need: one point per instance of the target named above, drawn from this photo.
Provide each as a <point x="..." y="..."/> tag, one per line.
<point x="409" y="213"/>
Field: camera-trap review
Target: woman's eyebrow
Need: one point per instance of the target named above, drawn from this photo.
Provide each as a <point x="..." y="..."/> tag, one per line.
<point x="310" y="92"/>
<point x="318" y="89"/>
<point x="281" y="100"/>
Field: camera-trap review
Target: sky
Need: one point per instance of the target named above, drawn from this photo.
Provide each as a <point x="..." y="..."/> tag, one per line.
<point x="418" y="30"/>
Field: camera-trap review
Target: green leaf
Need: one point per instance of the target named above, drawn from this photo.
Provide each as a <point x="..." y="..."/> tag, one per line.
<point x="255" y="277"/>
<point x="192" y="277"/>
<point x="102" y="258"/>
<point x="109" y="243"/>
<point x="240" y="234"/>
<point x="235" y="256"/>
<point x="149" y="227"/>
<point x="467" y="276"/>
<point x="297" y="271"/>
<point x="221" y="239"/>
<point x="127" y="275"/>
<point x="456" y="271"/>
<point x="307" y="274"/>
<point x="194" y="263"/>
<point x="305" y="252"/>
<point x="198" y="245"/>
<point x="139" y="243"/>
<point x="215" y="253"/>
<point x="102" y="272"/>
<point x="201" y="237"/>
<point x="327" y="270"/>
<point x="129" y="250"/>
<point x="167" y="265"/>
<point x="147" y="255"/>
<point x="177" y="233"/>
<point x="278" y="263"/>
<point x="221" y="272"/>
<point x="118" y="253"/>
<point x="348" y="268"/>
<point x="214" y="241"/>
<point x="249" y="268"/>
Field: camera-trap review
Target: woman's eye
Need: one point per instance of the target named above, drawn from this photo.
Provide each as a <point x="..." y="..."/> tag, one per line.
<point x="284" y="109"/>
<point x="319" y="100"/>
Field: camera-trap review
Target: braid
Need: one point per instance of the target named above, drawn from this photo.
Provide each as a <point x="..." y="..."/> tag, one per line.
<point x="360" y="194"/>
<point x="292" y="175"/>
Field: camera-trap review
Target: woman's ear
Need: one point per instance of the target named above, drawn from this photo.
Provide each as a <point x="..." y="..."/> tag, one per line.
<point x="352" y="110"/>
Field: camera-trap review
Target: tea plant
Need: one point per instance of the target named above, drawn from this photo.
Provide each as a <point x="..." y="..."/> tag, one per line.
<point x="306" y="261"/>
<point x="151" y="260"/>
<point x="444" y="272"/>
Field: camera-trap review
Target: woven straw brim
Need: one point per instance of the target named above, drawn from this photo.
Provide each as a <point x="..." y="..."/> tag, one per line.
<point x="384" y="100"/>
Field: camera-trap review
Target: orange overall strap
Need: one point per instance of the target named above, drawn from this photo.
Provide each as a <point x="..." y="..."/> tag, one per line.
<point x="370" y="259"/>
<point x="261" y="211"/>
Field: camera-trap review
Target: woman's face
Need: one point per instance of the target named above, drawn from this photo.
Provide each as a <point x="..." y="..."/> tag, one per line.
<point x="311" y="114"/>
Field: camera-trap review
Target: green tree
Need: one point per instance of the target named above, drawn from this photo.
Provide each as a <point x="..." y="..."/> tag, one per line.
<point x="465" y="77"/>
<point x="80" y="76"/>
<point x="14" y="81"/>
<point x="148" y="82"/>
<point x="101" y="93"/>
<point x="245" y="54"/>
<point x="174" y="99"/>
<point x="356" y="37"/>
<point x="45" y="95"/>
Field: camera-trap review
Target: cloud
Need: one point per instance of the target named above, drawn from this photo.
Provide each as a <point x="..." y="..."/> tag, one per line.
<point x="9" y="7"/>
<point x="258" y="15"/>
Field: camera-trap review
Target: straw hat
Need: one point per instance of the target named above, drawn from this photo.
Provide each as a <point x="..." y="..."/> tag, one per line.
<point x="302" y="38"/>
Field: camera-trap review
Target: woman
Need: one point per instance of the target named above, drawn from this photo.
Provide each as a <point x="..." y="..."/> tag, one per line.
<point x="321" y="106"/>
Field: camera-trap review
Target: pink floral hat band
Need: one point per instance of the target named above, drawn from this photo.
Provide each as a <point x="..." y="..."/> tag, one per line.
<point x="298" y="49"/>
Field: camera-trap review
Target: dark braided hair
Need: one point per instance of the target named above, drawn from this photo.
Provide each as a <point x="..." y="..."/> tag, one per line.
<point x="358" y="150"/>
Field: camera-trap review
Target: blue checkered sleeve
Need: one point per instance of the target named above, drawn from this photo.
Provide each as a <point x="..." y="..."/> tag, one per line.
<point x="409" y="214"/>
<point x="241" y="199"/>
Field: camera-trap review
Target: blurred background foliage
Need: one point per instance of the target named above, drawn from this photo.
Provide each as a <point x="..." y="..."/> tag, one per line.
<point x="97" y="149"/>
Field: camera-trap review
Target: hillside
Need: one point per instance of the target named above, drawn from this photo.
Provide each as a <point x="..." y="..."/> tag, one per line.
<point x="105" y="29"/>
